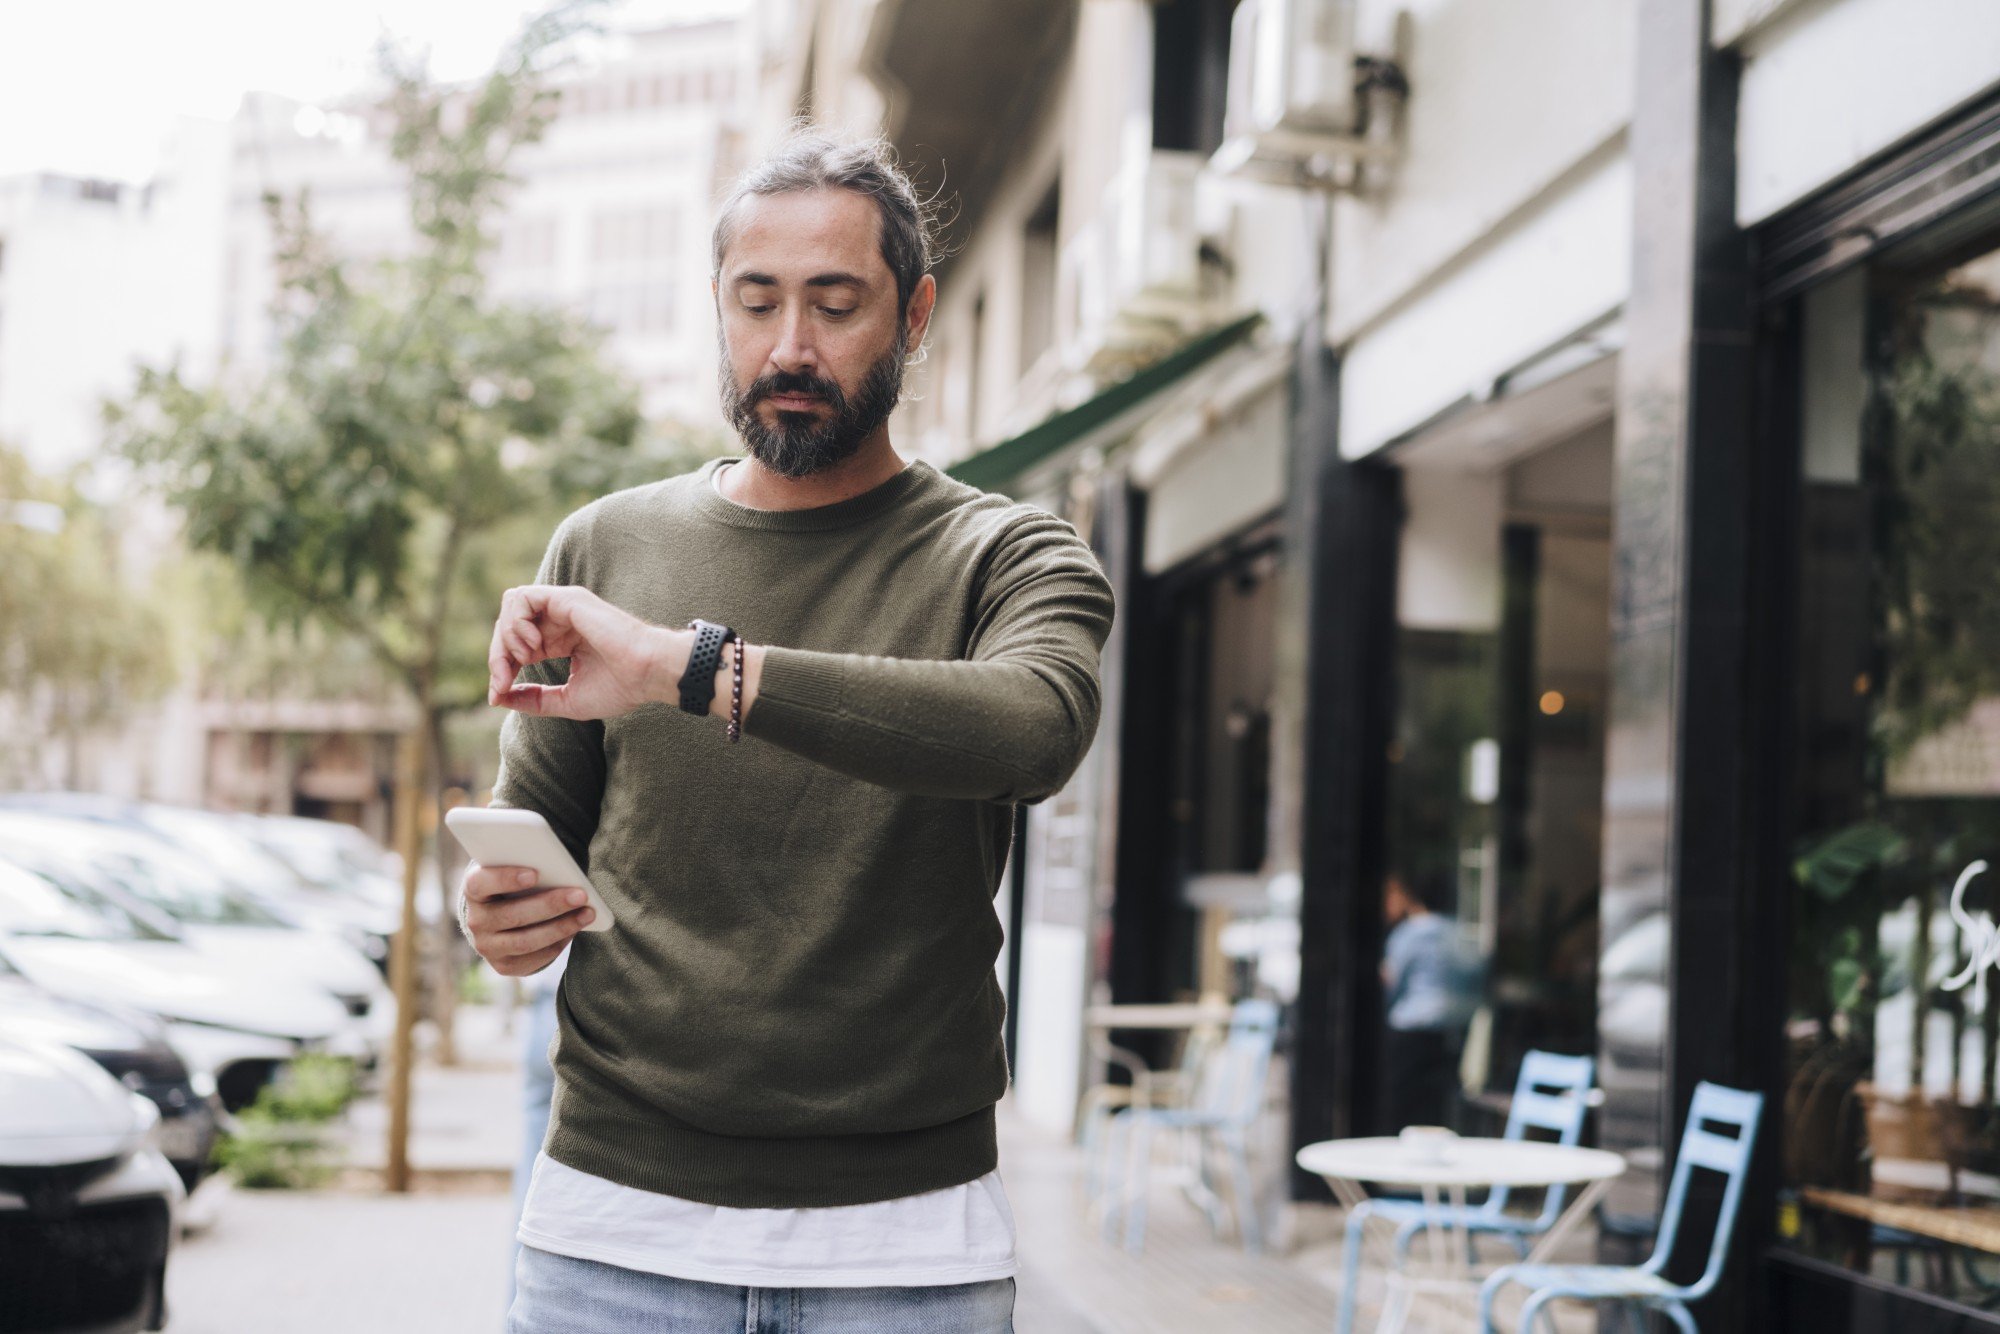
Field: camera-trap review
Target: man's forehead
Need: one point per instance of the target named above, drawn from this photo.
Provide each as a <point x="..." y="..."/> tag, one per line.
<point x="804" y="232"/>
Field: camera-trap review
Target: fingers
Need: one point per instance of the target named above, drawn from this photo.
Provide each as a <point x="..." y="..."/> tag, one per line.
<point x="546" y="701"/>
<point x="535" y="623"/>
<point x="530" y="909"/>
<point x="483" y="883"/>
<point x="520" y="935"/>
<point x="525" y="964"/>
<point x="533" y="939"/>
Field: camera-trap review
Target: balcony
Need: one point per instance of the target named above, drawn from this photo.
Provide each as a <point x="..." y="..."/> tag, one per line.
<point x="1134" y="281"/>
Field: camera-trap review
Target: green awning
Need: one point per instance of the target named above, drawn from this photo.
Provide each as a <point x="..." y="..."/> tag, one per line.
<point x="992" y="467"/>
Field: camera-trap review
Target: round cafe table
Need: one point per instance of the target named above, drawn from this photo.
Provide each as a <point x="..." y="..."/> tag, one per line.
<point x="1443" y="1174"/>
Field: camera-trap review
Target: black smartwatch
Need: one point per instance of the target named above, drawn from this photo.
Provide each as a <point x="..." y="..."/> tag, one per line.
<point x="698" y="681"/>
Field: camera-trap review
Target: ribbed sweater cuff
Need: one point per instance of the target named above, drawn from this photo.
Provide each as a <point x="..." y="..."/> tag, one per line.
<point x="798" y="691"/>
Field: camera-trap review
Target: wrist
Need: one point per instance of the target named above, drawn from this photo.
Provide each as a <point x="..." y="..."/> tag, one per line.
<point x="671" y="648"/>
<point x="753" y="668"/>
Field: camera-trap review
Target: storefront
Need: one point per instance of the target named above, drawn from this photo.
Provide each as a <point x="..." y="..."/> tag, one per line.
<point x="1686" y="716"/>
<point x="1881" y="331"/>
<point x="1496" y="767"/>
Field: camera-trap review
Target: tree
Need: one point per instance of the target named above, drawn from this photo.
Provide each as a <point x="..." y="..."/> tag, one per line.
<point x="79" y="649"/>
<point x="408" y="451"/>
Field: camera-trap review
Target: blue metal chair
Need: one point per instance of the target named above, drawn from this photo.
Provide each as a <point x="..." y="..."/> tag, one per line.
<point x="1552" y="1093"/>
<point x="1647" y="1286"/>
<point x="1149" y="1088"/>
<point x="1227" y="1099"/>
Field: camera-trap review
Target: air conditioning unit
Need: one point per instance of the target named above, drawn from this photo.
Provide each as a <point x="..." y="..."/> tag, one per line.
<point x="1302" y="105"/>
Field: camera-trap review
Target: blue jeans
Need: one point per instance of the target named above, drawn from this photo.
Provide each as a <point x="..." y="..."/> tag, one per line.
<point x="538" y="1079"/>
<point x="558" y="1294"/>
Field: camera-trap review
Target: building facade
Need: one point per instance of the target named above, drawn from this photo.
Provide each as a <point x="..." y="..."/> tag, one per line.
<point x="1569" y="500"/>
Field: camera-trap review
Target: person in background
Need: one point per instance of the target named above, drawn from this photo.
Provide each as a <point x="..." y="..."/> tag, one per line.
<point x="538" y="1080"/>
<point x="1430" y="981"/>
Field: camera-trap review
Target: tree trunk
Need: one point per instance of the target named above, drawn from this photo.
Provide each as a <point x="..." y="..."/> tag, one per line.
<point x="445" y="964"/>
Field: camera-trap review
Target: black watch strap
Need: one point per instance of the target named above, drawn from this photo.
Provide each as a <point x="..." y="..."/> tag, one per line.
<point x="698" y="681"/>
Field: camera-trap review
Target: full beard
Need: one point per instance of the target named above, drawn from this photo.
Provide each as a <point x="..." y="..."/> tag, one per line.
<point x="801" y="443"/>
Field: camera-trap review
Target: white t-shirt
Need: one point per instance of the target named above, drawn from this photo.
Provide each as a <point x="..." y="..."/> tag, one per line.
<point x="961" y="1234"/>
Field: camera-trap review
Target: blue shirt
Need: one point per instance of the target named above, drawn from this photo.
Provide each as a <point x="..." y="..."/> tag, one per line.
<point x="1433" y="978"/>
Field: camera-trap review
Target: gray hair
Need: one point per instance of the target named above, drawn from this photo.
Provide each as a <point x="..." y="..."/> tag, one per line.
<point x="809" y="160"/>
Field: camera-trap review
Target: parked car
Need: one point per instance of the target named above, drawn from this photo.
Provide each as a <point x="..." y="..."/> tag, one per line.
<point x="89" y="1206"/>
<point x="342" y="862"/>
<point x="132" y="1047"/>
<point x="188" y="898"/>
<point x="366" y="913"/>
<point x="234" y="1029"/>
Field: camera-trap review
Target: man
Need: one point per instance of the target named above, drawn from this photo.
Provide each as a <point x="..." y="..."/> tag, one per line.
<point x="1430" y="982"/>
<point x="776" y="1074"/>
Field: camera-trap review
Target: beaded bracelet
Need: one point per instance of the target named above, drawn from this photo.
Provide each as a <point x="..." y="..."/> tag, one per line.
<point x="736" y="692"/>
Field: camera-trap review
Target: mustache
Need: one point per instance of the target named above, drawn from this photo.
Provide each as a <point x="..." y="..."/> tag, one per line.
<point x="794" y="382"/>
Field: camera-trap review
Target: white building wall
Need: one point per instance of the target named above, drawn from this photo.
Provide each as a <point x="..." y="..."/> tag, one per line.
<point x="1826" y="86"/>
<point x="1507" y="97"/>
<point x="92" y="287"/>
<point x="1558" y="268"/>
<point x="1505" y="224"/>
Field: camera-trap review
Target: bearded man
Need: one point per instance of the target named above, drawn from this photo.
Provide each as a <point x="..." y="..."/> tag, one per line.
<point x="780" y="710"/>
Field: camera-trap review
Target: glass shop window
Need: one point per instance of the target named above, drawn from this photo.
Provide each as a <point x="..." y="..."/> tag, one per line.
<point x="1889" y="1131"/>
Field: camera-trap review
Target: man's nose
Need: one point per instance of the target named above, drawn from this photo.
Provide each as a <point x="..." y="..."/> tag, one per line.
<point x="793" y="352"/>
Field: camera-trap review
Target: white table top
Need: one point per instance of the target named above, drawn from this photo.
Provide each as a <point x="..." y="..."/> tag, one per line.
<point x="1460" y="1162"/>
<point x="1182" y="1014"/>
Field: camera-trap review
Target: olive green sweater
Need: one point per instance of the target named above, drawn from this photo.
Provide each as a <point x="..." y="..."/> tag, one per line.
<point x="798" y="1004"/>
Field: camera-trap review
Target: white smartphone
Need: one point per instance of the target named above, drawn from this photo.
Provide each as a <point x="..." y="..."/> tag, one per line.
<point x="509" y="837"/>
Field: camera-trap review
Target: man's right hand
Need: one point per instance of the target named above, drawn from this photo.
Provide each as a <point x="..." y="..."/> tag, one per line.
<point x="520" y="935"/>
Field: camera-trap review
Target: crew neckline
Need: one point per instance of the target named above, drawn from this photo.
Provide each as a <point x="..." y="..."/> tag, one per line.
<point x="814" y="518"/>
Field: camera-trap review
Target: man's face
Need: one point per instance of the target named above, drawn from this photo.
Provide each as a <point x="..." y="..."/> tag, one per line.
<point x="812" y="343"/>
<point x="1396" y="901"/>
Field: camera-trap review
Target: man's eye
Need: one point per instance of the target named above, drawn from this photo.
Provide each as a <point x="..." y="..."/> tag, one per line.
<point x="837" y="312"/>
<point x="758" y="310"/>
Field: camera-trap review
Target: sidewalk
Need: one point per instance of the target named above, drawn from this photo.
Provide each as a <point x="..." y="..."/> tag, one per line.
<point x="465" y="1120"/>
<point x="1184" y="1282"/>
<point x="354" y="1258"/>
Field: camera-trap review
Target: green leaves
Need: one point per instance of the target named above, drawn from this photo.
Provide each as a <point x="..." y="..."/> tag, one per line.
<point x="406" y="417"/>
<point x="79" y="647"/>
<point x="1832" y="866"/>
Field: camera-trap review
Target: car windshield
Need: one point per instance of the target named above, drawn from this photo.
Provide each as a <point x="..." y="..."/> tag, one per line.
<point x="183" y="888"/>
<point x="47" y="902"/>
<point x="238" y="858"/>
<point x="334" y="856"/>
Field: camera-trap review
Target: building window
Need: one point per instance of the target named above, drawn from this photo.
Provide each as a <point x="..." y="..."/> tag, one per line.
<point x="976" y="361"/>
<point x="1890" y="1130"/>
<point x="1190" y="73"/>
<point x="1038" y="278"/>
<point x="632" y="268"/>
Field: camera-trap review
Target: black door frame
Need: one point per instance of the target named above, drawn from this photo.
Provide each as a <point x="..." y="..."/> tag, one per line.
<point x="1344" y="518"/>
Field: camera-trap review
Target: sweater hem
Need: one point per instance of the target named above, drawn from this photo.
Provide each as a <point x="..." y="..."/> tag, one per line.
<point x="670" y="1157"/>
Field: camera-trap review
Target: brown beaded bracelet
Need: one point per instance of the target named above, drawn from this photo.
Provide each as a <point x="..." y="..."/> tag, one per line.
<point x="736" y="692"/>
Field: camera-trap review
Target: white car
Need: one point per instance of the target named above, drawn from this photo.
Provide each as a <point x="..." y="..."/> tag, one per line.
<point x="186" y="898"/>
<point x="89" y="1207"/>
<point x="331" y="875"/>
<point x="233" y="1029"/>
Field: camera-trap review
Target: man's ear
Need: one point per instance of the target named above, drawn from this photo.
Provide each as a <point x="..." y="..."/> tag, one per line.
<point x="923" y="299"/>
